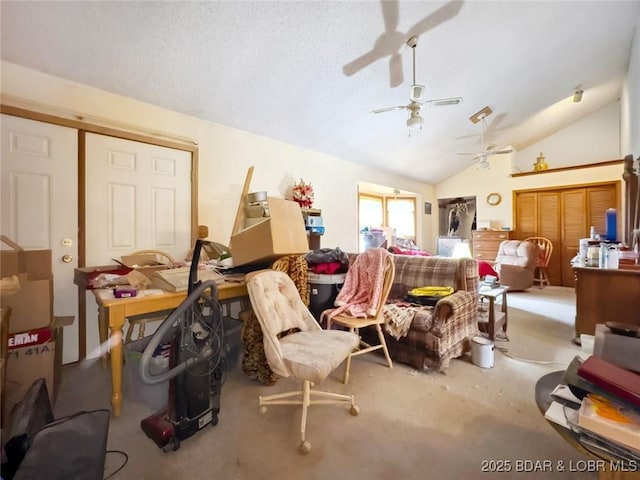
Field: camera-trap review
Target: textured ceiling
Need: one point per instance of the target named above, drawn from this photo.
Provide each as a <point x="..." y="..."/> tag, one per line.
<point x="286" y="70"/>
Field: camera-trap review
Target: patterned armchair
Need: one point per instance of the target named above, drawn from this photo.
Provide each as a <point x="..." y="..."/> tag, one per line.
<point x="429" y="337"/>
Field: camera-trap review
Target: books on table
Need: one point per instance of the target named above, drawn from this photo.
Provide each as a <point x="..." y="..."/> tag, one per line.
<point x="613" y="379"/>
<point x="610" y="420"/>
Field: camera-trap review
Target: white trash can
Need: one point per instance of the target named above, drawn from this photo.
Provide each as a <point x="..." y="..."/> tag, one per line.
<point x="482" y="352"/>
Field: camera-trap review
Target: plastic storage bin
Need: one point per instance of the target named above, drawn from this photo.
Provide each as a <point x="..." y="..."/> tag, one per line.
<point x="155" y="396"/>
<point x="323" y="290"/>
<point x="232" y="348"/>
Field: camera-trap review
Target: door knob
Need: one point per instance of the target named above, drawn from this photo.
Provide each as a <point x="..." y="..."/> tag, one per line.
<point x="67" y="258"/>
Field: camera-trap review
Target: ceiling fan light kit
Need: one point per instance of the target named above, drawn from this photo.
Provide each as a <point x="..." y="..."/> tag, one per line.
<point x="414" y="122"/>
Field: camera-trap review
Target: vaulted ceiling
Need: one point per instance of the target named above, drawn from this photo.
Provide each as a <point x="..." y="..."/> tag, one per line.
<point x="308" y="73"/>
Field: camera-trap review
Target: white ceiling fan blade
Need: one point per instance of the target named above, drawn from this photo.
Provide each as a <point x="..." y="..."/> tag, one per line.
<point x="491" y="150"/>
<point x="389" y="109"/>
<point x="470" y="153"/>
<point x="443" y="102"/>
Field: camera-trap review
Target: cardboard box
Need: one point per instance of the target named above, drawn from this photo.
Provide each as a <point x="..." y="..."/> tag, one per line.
<point x="144" y="263"/>
<point x="32" y="307"/>
<point x="34" y="354"/>
<point x="282" y="233"/>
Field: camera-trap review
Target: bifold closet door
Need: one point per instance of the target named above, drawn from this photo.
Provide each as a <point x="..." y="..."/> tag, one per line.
<point x="564" y="215"/>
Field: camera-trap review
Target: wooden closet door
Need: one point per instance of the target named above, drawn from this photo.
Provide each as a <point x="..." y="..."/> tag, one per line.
<point x="599" y="199"/>
<point x="526" y="215"/>
<point x="574" y="226"/>
<point x="550" y="226"/>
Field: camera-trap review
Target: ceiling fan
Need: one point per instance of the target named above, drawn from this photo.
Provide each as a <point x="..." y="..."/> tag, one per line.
<point x="416" y="93"/>
<point x="491" y="149"/>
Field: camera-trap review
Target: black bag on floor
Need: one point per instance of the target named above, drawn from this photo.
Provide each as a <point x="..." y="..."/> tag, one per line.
<point x="27" y="417"/>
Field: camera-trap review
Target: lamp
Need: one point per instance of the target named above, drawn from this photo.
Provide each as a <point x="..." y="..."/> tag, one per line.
<point x="483" y="164"/>
<point x="461" y="250"/>
<point x="577" y="96"/>
<point x="414" y="121"/>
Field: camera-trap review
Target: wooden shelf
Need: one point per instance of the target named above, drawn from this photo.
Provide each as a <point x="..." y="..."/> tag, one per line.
<point x="563" y="169"/>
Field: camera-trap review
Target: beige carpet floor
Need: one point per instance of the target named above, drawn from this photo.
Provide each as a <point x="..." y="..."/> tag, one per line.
<point x="412" y="424"/>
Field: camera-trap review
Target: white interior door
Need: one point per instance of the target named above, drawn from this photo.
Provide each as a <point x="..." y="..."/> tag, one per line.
<point x="138" y="197"/>
<point x="40" y="205"/>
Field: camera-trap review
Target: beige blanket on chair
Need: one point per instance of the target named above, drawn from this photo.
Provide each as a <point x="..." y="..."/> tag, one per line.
<point x="398" y="317"/>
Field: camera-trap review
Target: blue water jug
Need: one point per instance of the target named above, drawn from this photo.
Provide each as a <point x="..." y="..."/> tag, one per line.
<point x="611" y="224"/>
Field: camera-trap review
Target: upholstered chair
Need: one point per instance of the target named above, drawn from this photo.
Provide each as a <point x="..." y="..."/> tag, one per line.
<point x="309" y="354"/>
<point x="516" y="264"/>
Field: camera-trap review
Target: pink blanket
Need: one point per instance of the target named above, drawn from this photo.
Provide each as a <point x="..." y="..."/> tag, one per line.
<point x="362" y="289"/>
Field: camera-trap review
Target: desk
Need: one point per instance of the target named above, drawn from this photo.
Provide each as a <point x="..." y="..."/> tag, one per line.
<point x="112" y="313"/>
<point x="604" y="294"/>
<point x="494" y="318"/>
<point x="544" y="387"/>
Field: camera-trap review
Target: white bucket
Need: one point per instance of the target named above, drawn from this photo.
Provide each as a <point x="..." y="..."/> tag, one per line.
<point x="482" y="352"/>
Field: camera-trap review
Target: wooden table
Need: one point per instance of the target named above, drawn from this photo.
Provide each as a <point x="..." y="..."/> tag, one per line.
<point x="496" y="318"/>
<point x="112" y="313"/>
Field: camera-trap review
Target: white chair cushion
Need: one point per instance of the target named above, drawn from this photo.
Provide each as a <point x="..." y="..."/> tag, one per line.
<point x="313" y="355"/>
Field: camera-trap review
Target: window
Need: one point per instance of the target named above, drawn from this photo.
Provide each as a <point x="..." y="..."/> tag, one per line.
<point x="401" y="216"/>
<point x="397" y="213"/>
<point x="371" y="211"/>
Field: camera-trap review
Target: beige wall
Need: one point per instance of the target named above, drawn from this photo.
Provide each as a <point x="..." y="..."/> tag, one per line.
<point x="225" y="156"/>
<point x="630" y="101"/>
<point x="595" y="138"/>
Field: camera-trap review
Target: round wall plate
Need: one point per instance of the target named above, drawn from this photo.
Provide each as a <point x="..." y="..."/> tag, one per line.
<point x="494" y="198"/>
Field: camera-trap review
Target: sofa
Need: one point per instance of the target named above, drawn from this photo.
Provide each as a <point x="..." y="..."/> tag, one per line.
<point x="516" y="264"/>
<point x="433" y="335"/>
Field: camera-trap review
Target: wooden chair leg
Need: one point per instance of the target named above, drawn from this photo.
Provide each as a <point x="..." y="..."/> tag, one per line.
<point x="127" y="338"/>
<point x="384" y="345"/>
<point x="141" y="330"/>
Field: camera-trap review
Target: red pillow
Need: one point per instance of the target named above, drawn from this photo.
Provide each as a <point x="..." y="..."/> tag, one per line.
<point x="485" y="269"/>
<point x="401" y="251"/>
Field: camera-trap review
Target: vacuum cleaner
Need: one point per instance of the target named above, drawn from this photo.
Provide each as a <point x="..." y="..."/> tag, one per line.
<point x="194" y="331"/>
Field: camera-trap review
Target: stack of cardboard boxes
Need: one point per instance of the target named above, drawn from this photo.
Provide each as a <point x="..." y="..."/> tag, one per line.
<point x="34" y="344"/>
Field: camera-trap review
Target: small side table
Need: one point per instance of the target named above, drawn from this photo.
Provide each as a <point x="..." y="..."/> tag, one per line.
<point x="495" y="318"/>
